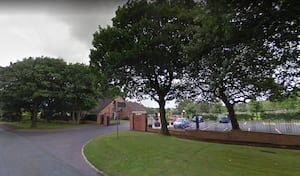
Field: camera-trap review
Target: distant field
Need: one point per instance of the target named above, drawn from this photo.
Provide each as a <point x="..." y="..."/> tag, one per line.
<point x="135" y="153"/>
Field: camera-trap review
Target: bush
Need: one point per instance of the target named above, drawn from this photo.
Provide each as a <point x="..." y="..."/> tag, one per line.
<point x="245" y="117"/>
<point x="281" y="116"/>
<point x="90" y="117"/>
<point x="211" y="117"/>
<point x="270" y="116"/>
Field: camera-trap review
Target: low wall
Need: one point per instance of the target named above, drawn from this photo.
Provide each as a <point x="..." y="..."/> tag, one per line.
<point x="255" y="138"/>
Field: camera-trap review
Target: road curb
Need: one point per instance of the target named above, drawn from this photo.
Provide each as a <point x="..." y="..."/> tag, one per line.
<point x="87" y="161"/>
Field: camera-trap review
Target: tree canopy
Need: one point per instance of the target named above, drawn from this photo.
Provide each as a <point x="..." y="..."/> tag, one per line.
<point x="226" y="50"/>
<point x="142" y="52"/>
<point x="237" y="48"/>
<point x="45" y="85"/>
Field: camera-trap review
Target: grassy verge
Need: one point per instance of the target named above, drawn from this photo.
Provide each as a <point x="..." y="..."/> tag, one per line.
<point x="41" y="124"/>
<point x="114" y="122"/>
<point x="134" y="153"/>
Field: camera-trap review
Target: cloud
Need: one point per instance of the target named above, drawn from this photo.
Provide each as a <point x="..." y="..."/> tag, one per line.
<point x="84" y="17"/>
<point x="57" y="28"/>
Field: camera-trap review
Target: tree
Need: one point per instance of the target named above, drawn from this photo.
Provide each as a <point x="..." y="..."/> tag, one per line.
<point x="79" y="90"/>
<point x="141" y="53"/>
<point x="255" y="107"/>
<point x="203" y="107"/>
<point x="188" y="106"/>
<point x="29" y="84"/>
<point x="276" y="23"/>
<point x="217" y="108"/>
<point x="233" y="57"/>
<point x="46" y="86"/>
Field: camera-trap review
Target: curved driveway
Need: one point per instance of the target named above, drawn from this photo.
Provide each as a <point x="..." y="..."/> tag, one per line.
<point x="48" y="152"/>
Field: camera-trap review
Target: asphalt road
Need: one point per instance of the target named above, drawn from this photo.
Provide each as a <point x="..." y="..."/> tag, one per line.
<point x="48" y="152"/>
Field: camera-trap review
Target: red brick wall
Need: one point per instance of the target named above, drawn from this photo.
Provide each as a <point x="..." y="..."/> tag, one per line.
<point x="138" y="122"/>
<point x="238" y="137"/>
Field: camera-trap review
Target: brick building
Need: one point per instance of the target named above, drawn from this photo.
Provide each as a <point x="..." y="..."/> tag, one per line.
<point x="116" y="108"/>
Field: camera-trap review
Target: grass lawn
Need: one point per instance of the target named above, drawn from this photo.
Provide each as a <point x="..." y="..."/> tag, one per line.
<point x="135" y="153"/>
<point x="114" y="122"/>
<point x="41" y="124"/>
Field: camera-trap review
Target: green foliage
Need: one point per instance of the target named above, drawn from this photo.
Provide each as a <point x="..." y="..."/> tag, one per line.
<point x="45" y="86"/>
<point x="287" y="116"/>
<point x="203" y="107"/>
<point x="41" y="124"/>
<point x="142" y="52"/>
<point x="152" y="110"/>
<point x="256" y="107"/>
<point x="217" y="108"/>
<point x="281" y="116"/>
<point x="188" y="106"/>
<point x="79" y="89"/>
<point x="237" y="48"/>
<point x="30" y="84"/>
<point x="241" y="107"/>
<point x="210" y="117"/>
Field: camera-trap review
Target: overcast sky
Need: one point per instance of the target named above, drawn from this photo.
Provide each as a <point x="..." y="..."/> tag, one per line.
<point x="56" y="28"/>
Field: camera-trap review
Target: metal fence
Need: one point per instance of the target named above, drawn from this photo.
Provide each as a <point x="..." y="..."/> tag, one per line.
<point x="276" y="127"/>
<point x="291" y="127"/>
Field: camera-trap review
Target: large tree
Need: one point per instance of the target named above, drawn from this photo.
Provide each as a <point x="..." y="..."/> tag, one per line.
<point x="47" y="86"/>
<point x="141" y="53"/>
<point x="237" y="48"/>
<point x="28" y="84"/>
<point x="80" y="91"/>
<point x="277" y="24"/>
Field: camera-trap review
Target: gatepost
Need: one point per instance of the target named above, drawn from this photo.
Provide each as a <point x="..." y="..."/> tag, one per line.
<point x="138" y="122"/>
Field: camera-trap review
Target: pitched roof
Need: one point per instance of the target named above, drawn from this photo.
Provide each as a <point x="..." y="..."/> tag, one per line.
<point x="103" y="103"/>
<point x="135" y="106"/>
<point x="100" y="106"/>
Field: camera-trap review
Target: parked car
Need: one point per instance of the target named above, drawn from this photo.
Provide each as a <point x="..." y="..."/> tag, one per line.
<point x="200" y="118"/>
<point x="172" y="119"/>
<point x="224" y="119"/>
<point x="181" y="123"/>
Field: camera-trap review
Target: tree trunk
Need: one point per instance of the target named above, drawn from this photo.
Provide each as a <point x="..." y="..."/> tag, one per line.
<point x="78" y="117"/>
<point x="73" y="116"/>
<point x="231" y="112"/>
<point x="163" y="121"/>
<point x="34" y="115"/>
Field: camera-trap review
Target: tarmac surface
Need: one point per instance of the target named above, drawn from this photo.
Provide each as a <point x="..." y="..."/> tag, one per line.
<point x="55" y="152"/>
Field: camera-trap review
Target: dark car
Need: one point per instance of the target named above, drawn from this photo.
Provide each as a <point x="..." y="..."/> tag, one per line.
<point x="181" y="123"/>
<point x="224" y="119"/>
<point x="200" y="118"/>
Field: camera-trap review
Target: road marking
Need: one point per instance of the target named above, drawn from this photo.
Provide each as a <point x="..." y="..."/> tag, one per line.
<point x="249" y="129"/>
<point x="225" y="129"/>
<point x="245" y="123"/>
<point x="264" y="123"/>
<point x="277" y="131"/>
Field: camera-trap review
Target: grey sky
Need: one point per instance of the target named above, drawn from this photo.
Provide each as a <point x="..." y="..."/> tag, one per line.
<point x="56" y="28"/>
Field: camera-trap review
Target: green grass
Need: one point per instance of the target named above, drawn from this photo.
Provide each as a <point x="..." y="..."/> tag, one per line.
<point x="114" y="122"/>
<point x="41" y="124"/>
<point x="134" y="153"/>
